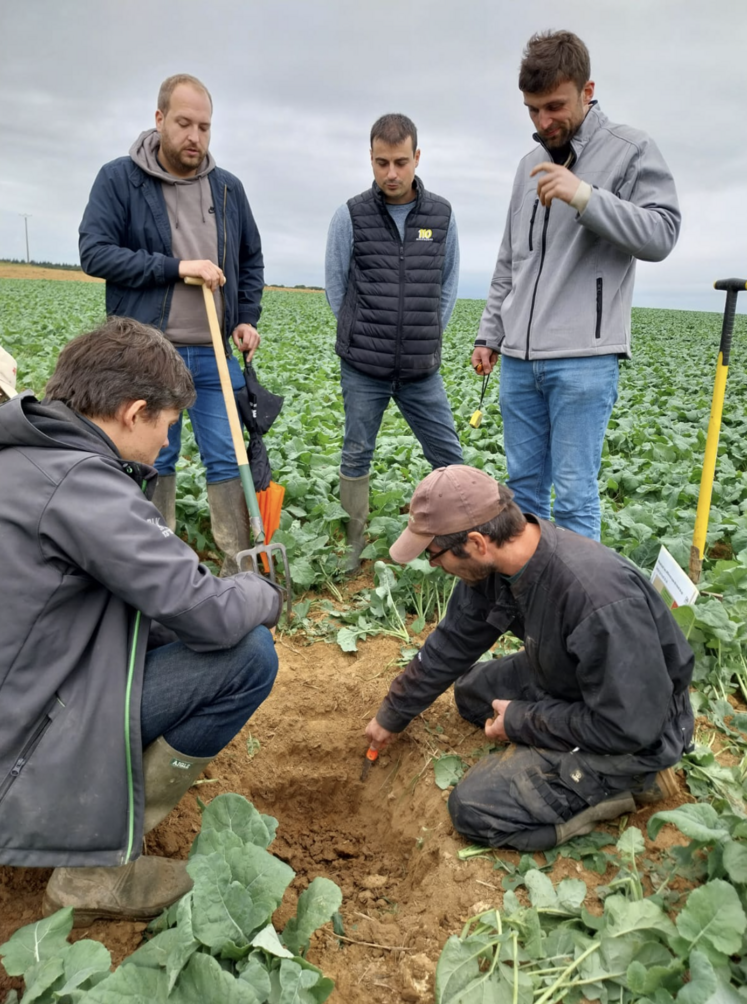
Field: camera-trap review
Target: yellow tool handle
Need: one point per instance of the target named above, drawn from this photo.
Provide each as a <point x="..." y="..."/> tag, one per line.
<point x="225" y="380"/>
<point x="697" y="551"/>
<point x="732" y="288"/>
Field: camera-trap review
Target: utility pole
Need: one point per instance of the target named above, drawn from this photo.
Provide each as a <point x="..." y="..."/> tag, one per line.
<point x="26" y="218"/>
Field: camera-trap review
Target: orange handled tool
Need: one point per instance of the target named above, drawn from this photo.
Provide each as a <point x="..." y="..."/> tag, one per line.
<point x="371" y="756"/>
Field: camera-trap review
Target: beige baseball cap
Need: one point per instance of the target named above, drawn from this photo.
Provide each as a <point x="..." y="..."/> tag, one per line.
<point x="7" y="373"/>
<point x="450" y="499"/>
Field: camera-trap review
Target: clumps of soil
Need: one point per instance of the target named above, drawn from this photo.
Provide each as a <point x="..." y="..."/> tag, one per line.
<point x="388" y="842"/>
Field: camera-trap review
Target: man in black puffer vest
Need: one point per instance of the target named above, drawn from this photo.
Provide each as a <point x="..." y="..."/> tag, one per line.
<point x="392" y="268"/>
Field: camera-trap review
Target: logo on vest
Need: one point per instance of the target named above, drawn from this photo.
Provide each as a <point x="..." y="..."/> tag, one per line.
<point x="425" y="235"/>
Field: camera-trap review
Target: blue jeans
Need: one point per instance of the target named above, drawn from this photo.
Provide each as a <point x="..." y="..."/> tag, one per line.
<point x="198" y="701"/>
<point x="208" y="416"/>
<point x="423" y="404"/>
<point x="555" y="414"/>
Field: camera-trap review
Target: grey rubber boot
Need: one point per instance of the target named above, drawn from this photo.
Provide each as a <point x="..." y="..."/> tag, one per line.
<point x="164" y="499"/>
<point x="584" y="822"/>
<point x="141" y="889"/>
<point x="354" y="500"/>
<point x="229" y="519"/>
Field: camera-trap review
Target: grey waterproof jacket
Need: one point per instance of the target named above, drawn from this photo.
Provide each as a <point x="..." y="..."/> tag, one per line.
<point x="86" y="564"/>
<point x="600" y="643"/>
<point x="563" y="283"/>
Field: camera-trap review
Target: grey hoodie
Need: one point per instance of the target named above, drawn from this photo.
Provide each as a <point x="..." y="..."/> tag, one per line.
<point x="194" y="236"/>
<point x="86" y="564"/>
<point x="563" y="283"/>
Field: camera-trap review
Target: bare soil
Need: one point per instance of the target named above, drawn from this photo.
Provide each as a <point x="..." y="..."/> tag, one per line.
<point x="11" y="270"/>
<point x="388" y="842"/>
<point x="15" y="270"/>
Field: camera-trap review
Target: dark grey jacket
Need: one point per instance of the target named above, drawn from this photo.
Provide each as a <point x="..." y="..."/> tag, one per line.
<point x="86" y="563"/>
<point x="612" y="662"/>
<point x="389" y="326"/>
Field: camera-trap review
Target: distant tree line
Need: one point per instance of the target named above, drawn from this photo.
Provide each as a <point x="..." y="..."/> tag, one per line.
<point x="299" y="285"/>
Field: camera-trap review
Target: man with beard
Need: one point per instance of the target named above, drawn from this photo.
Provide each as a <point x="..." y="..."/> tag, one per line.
<point x="592" y="199"/>
<point x="155" y="217"/>
<point x="595" y="707"/>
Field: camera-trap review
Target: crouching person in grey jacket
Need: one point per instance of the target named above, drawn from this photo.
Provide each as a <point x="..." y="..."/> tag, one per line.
<point x="594" y="709"/>
<point x="125" y="666"/>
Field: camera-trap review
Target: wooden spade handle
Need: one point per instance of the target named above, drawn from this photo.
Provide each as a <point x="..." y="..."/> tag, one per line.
<point x="245" y="472"/>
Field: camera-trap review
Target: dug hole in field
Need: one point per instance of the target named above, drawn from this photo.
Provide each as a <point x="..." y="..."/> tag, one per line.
<point x="388" y="843"/>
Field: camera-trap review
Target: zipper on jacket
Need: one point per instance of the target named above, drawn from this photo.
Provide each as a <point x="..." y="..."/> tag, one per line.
<point x="25" y="754"/>
<point x="225" y="229"/>
<point x="539" y="273"/>
<point x="598" y="332"/>
<point x="531" y="224"/>
<point x="401" y="304"/>
<point x="128" y="751"/>
<point x="229" y="352"/>
<point x="399" y="334"/>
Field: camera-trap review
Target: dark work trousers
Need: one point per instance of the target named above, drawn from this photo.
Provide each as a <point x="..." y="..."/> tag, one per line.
<point x="515" y="797"/>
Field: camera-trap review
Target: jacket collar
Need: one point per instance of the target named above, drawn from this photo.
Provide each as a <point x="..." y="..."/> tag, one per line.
<point x="417" y="184"/>
<point x="594" y="120"/>
<point x="546" y="548"/>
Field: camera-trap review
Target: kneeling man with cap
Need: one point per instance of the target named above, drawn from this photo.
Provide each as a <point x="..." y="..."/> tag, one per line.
<point x="594" y="706"/>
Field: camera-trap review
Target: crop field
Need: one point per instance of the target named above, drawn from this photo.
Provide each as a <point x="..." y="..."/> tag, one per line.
<point x="653" y="908"/>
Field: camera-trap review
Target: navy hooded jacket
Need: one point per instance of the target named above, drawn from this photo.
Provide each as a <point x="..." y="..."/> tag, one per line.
<point x="125" y="238"/>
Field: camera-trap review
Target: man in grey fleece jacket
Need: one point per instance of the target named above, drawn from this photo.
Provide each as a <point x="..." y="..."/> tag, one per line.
<point x="594" y="198"/>
<point x="164" y="213"/>
<point x="125" y="666"/>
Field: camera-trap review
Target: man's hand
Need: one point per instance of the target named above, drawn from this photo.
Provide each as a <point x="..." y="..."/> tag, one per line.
<point x="557" y="182"/>
<point x="210" y="274"/>
<point x="486" y="357"/>
<point x="246" y="337"/>
<point x="494" y="728"/>
<point x="377" y="736"/>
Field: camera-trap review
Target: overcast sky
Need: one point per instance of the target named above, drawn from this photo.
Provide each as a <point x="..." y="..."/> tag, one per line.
<point x="297" y="84"/>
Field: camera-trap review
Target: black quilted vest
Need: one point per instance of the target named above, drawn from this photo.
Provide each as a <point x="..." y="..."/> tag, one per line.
<point x="390" y="322"/>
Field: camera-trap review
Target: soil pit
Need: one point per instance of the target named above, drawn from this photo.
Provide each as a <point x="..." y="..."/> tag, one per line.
<point x="387" y="842"/>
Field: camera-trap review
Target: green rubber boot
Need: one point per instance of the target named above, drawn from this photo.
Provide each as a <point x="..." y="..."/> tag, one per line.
<point x="141" y="889"/>
<point x="354" y="500"/>
<point x="167" y="775"/>
<point x="229" y="519"/>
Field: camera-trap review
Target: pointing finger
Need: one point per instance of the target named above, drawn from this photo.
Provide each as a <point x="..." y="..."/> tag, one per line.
<point x="546" y="165"/>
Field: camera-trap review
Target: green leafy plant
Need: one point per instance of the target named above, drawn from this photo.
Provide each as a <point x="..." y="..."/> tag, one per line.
<point x="217" y="943"/>
<point x="553" y="949"/>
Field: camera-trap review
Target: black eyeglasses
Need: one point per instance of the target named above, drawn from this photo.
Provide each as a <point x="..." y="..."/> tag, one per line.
<point x="434" y="557"/>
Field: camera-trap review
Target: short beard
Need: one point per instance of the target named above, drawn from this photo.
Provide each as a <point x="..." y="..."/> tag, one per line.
<point x="173" y="158"/>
